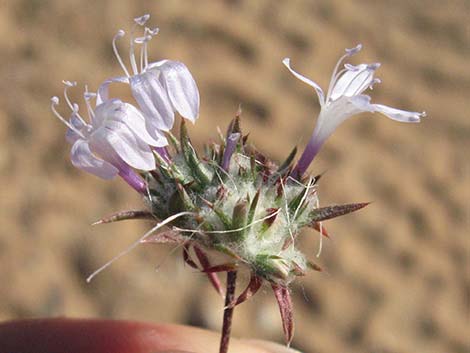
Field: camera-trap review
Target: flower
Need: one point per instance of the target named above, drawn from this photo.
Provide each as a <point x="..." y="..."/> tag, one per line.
<point x="160" y="88"/>
<point x="114" y="141"/>
<point x="344" y="99"/>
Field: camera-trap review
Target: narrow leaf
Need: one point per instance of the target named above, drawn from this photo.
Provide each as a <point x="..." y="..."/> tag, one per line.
<point x="287" y="163"/>
<point x="168" y="237"/>
<point x="187" y="257"/>
<point x="213" y="278"/>
<point x="324" y="213"/>
<point x="125" y="215"/>
<point x="322" y="229"/>
<point x="252" y="288"/>
<point x="221" y="268"/>
<point x="284" y="301"/>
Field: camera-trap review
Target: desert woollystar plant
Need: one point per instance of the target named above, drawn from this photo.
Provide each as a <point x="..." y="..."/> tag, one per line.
<point x="230" y="199"/>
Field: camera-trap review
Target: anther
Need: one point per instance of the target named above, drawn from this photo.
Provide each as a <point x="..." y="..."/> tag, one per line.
<point x="353" y="51"/>
<point x="142" y="19"/>
<point x="373" y="66"/>
<point x="152" y="31"/>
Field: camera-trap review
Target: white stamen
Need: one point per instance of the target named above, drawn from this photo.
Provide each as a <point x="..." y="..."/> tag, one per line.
<point x="141" y="59"/>
<point x="374" y="81"/>
<point x="54" y="102"/>
<point x="68" y="84"/>
<point x="333" y="82"/>
<point x="371" y="68"/>
<point x="146" y="56"/>
<point x="351" y="67"/>
<point x="349" y="52"/>
<point x="142" y="19"/>
<point x="77" y="114"/>
<point x="118" y="35"/>
<point x="132" y="51"/>
<point x="353" y="51"/>
<point x="137" y="242"/>
<point x="89" y="96"/>
<point x="152" y="31"/>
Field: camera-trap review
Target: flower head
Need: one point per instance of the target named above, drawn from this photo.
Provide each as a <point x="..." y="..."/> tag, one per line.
<point x="113" y="140"/>
<point x="232" y="199"/>
<point x="343" y="100"/>
<point x="160" y="88"/>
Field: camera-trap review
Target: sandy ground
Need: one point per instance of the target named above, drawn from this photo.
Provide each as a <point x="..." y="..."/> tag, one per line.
<point x="397" y="274"/>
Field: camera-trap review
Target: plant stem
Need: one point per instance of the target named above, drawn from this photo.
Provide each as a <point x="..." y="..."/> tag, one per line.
<point x="228" y="311"/>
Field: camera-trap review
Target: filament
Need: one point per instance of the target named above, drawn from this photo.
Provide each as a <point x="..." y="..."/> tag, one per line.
<point x="119" y="34"/>
<point x="137" y="242"/>
<point x="54" y="102"/>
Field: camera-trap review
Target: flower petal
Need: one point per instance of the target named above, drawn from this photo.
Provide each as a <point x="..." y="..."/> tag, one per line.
<point x="399" y="115"/>
<point x="139" y="125"/>
<point x="181" y="88"/>
<point x="153" y="100"/>
<point x="354" y="81"/>
<point x="116" y="110"/>
<point x="306" y="80"/>
<point x="70" y="135"/>
<point x="102" y="94"/>
<point x="116" y="141"/>
<point x="82" y="158"/>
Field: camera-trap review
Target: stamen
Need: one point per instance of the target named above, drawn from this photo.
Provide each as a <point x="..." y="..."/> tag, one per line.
<point x="142" y="19"/>
<point x="153" y="31"/>
<point x="141" y="58"/>
<point x="353" y="51"/>
<point x="118" y="35"/>
<point x="137" y="242"/>
<point x="131" y="49"/>
<point x="334" y="76"/>
<point x="333" y="82"/>
<point x="371" y="68"/>
<point x="54" y="102"/>
<point x="89" y="96"/>
<point x="374" y="81"/>
<point x="77" y="114"/>
<point x="146" y="56"/>
<point x="68" y="84"/>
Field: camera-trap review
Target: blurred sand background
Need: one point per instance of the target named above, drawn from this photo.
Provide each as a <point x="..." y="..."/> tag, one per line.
<point x="397" y="273"/>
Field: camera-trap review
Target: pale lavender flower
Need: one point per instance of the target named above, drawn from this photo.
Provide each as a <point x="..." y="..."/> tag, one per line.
<point x="160" y="88"/>
<point x="344" y="99"/>
<point x="113" y="140"/>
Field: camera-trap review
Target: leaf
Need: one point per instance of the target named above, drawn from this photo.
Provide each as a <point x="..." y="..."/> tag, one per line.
<point x="252" y="288"/>
<point x="322" y="229"/>
<point x="125" y="215"/>
<point x="324" y="213"/>
<point x="285" y="166"/>
<point x="284" y="301"/>
<point x="204" y="261"/>
<point x="168" y="237"/>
